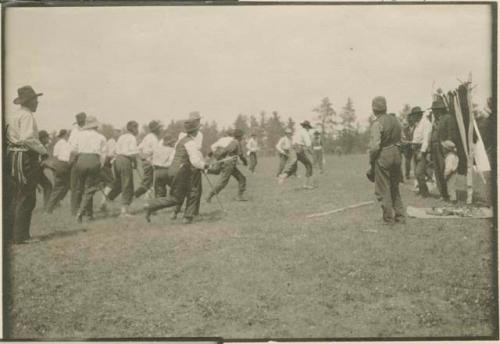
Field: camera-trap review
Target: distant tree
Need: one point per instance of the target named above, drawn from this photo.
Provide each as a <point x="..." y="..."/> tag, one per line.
<point x="241" y="122"/>
<point x="210" y="135"/>
<point x="274" y="131"/>
<point x="348" y="136"/>
<point x="348" y="116"/>
<point x="326" y="118"/>
<point x="107" y="130"/>
<point x="174" y="128"/>
<point x="291" y="123"/>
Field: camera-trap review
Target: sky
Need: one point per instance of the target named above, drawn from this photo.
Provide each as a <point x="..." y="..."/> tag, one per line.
<point x="145" y="63"/>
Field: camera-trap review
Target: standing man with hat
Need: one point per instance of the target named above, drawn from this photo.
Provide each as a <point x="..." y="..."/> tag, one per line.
<point x="75" y="131"/>
<point x="90" y="146"/>
<point x="186" y="157"/>
<point x="123" y="167"/>
<point x="229" y="149"/>
<point x="385" y="135"/>
<point x="61" y="153"/>
<point x="420" y="148"/>
<point x="252" y="148"/>
<point x="23" y="152"/>
<point x="146" y="149"/>
<point x="283" y="147"/>
<point x="196" y="183"/>
<point x="301" y="151"/>
<point x="438" y="111"/>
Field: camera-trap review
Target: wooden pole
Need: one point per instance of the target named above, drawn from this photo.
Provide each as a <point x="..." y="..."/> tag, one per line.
<point x="470" y="135"/>
<point x="358" y="205"/>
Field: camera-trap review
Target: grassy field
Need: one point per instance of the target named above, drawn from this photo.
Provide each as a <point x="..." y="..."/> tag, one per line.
<point x="260" y="270"/>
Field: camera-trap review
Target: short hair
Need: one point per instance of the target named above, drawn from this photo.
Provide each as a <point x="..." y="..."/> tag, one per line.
<point x="131" y="125"/>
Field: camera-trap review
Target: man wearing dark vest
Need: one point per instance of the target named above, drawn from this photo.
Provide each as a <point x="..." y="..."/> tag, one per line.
<point x="229" y="149"/>
<point x="385" y="135"/>
<point x="23" y="152"/>
<point x="187" y="156"/>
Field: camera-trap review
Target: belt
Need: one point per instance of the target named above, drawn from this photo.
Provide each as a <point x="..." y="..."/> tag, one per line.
<point x="160" y="167"/>
<point x="17" y="149"/>
<point x="390" y="146"/>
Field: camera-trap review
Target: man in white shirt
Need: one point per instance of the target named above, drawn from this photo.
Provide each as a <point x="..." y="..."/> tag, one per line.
<point x="61" y="154"/>
<point x="23" y="152"/>
<point x="90" y="146"/>
<point x="196" y="183"/>
<point x="283" y="147"/>
<point x="420" y="146"/>
<point x="252" y="148"/>
<point x="75" y="130"/>
<point x="187" y="156"/>
<point x="301" y="151"/>
<point x="162" y="159"/>
<point x="146" y="149"/>
<point x="123" y="167"/>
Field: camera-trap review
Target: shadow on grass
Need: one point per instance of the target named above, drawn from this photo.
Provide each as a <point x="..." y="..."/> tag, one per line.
<point x="61" y="234"/>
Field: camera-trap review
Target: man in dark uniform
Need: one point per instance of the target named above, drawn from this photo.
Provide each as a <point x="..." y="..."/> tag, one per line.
<point x="186" y="157"/>
<point x="385" y="135"/>
<point x="229" y="148"/>
<point x="23" y="167"/>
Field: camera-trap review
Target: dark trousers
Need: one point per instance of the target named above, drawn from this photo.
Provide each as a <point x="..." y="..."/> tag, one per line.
<point x="421" y="174"/>
<point x="88" y="173"/>
<point x="252" y="163"/>
<point x="124" y="180"/>
<point x="62" y="173"/>
<point x="180" y="187"/>
<point x="387" y="179"/>
<point x="76" y="199"/>
<point x="408" y="155"/>
<point x="147" y="179"/>
<point x="438" y="160"/>
<point x="228" y="169"/>
<point x="299" y="154"/>
<point x="46" y="186"/>
<point x="283" y="159"/>
<point x="20" y="194"/>
<point x="193" y="199"/>
<point x="106" y="174"/>
<point x="161" y="181"/>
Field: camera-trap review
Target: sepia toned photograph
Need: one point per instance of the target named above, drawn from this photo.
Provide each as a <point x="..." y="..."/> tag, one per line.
<point x="250" y="171"/>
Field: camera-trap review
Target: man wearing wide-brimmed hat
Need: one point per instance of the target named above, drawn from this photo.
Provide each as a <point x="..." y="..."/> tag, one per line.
<point x="301" y="151"/>
<point x="90" y="146"/>
<point x="123" y="167"/>
<point x="75" y="131"/>
<point x="229" y="149"/>
<point x="23" y="152"/>
<point x="61" y="154"/>
<point x="420" y="147"/>
<point x="196" y="182"/>
<point x="284" y="147"/>
<point x="385" y="157"/>
<point x="186" y="157"/>
<point x="438" y="111"/>
<point x="252" y="148"/>
<point x="146" y="148"/>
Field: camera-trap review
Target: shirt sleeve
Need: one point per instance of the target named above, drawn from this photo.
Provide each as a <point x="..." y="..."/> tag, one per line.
<point x="132" y="146"/>
<point x="306" y="138"/>
<point x="375" y="137"/>
<point x="27" y="134"/>
<point x="195" y="156"/>
<point x="426" y="137"/>
<point x="279" y="146"/>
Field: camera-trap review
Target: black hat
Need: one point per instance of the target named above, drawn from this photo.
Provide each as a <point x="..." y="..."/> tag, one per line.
<point x="191" y="126"/>
<point x="154" y="125"/>
<point x="416" y="111"/>
<point x="379" y="104"/>
<point x="24" y="94"/>
<point x="43" y="134"/>
<point x="306" y="124"/>
<point x="438" y="105"/>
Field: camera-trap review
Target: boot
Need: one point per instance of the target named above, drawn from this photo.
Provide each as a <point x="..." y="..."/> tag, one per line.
<point x="281" y="179"/>
<point x="174" y="216"/>
<point x="241" y="198"/>
<point x="125" y="212"/>
<point x="187" y="220"/>
<point x="307" y="184"/>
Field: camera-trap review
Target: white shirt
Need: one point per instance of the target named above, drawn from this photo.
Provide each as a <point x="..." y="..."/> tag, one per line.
<point x="74" y="134"/>
<point x="195" y="156"/>
<point x="163" y="156"/>
<point x="422" y="133"/>
<point x="302" y="137"/>
<point x="111" y="147"/>
<point x="221" y="143"/>
<point x="126" y="145"/>
<point x="62" y="150"/>
<point x="22" y="130"/>
<point x="284" y="145"/>
<point x="252" y="145"/>
<point x="148" y="145"/>
<point x="90" y="142"/>
<point x="198" y="139"/>
<point x="450" y="163"/>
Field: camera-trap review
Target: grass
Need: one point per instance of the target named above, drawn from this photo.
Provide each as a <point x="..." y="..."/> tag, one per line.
<point x="260" y="270"/>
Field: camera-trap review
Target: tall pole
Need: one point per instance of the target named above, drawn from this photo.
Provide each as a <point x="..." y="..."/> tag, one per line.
<point x="470" y="135"/>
